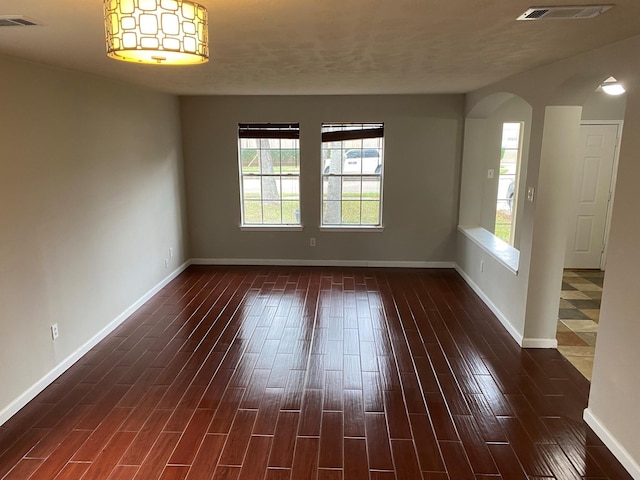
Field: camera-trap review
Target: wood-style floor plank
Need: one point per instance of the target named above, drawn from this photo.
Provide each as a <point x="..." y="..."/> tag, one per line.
<point x="281" y="373"/>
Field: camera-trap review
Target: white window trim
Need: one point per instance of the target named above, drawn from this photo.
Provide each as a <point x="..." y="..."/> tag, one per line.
<point x="241" y="176"/>
<point x="271" y="228"/>
<point x="354" y="227"/>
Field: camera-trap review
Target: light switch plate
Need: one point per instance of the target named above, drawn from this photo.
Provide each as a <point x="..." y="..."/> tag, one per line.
<point x="530" y="194"/>
<point x="490" y="173"/>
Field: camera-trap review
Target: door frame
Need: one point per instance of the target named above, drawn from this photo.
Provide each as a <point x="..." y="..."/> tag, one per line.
<point x="612" y="185"/>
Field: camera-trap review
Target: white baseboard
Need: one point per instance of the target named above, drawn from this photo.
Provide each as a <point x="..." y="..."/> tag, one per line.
<point x="319" y="263"/>
<point x="539" y="343"/>
<point x="13" y="408"/>
<point x="496" y="311"/>
<point x="612" y="444"/>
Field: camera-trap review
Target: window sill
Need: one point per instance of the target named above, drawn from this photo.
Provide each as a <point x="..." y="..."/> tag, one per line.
<point x="271" y="228"/>
<point x="351" y="229"/>
<point x="504" y="253"/>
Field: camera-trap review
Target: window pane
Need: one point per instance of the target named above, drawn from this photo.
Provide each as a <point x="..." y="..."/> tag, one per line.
<point x="290" y="186"/>
<point x="331" y="188"/>
<point x="253" y="211"/>
<point x="351" y="212"/>
<point x="331" y="214"/>
<point x="274" y="155"/>
<point x="289" y="144"/>
<point x="251" y="188"/>
<point x="290" y="161"/>
<point x="250" y="161"/>
<point x="290" y="212"/>
<point x="351" y="188"/>
<point x="371" y="212"/>
<point x="270" y="188"/>
<point x="272" y="212"/>
<point x="371" y="187"/>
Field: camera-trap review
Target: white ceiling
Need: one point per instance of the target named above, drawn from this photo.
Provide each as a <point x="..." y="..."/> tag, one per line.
<point x="329" y="46"/>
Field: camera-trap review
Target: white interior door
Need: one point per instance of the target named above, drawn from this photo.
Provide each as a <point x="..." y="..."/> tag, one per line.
<point x="591" y="195"/>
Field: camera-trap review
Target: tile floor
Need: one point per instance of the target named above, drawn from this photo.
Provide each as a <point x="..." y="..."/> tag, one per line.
<point x="578" y="317"/>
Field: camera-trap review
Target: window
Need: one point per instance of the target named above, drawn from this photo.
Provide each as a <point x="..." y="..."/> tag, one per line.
<point x="508" y="181"/>
<point x="269" y="157"/>
<point x="352" y="166"/>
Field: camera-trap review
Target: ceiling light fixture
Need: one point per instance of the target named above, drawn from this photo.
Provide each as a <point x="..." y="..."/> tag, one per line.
<point x="166" y="32"/>
<point x="611" y="86"/>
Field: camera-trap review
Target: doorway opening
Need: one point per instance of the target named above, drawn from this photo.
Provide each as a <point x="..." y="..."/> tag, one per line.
<point x="588" y="232"/>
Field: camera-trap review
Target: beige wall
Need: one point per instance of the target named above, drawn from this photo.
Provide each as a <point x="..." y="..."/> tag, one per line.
<point x="601" y="106"/>
<point x="90" y="202"/>
<point x="421" y="177"/>
<point x="616" y="378"/>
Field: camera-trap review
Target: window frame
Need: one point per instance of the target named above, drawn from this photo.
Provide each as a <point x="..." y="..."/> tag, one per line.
<point x="344" y="132"/>
<point x="269" y="131"/>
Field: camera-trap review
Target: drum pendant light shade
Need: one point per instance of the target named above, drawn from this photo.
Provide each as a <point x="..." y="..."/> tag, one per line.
<point x="166" y="32"/>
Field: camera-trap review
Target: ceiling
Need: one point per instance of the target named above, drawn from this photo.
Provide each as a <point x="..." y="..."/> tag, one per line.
<point x="328" y="46"/>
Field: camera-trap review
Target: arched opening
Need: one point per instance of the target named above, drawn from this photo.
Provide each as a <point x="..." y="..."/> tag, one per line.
<point x="496" y="149"/>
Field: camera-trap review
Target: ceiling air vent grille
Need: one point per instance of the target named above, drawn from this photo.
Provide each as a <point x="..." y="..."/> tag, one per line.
<point x="564" y="13"/>
<point x="16" y="21"/>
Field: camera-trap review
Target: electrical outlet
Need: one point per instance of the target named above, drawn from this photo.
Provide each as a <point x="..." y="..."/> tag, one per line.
<point x="166" y="263"/>
<point x="54" y="331"/>
<point x="312" y="242"/>
<point x="170" y="252"/>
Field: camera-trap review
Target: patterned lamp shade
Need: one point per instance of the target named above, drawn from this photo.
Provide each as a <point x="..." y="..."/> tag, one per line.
<point x="167" y="32"/>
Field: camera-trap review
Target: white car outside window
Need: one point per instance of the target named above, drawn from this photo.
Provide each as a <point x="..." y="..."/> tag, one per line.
<point x="357" y="161"/>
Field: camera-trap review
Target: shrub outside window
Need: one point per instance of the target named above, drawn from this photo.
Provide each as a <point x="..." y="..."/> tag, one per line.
<point x="269" y="160"/>
<point x="352" y="169"/>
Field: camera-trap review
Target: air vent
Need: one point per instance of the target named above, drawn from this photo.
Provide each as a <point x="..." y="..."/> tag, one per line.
<point x="16" y="21"/>
<point x="564" y="13"/>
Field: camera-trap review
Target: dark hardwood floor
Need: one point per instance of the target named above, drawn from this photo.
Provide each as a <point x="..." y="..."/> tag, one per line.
<point x="303" y="373"/>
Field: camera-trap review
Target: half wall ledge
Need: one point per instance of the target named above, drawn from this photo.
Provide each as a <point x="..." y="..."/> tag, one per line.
<point x="504" y="253"/>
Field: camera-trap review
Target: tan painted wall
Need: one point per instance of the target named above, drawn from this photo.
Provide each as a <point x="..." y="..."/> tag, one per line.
<point x="601" y="106"/>
<point x="91" y="199"/>
<point x="421" y="177"/>
<point x="616" y="378"/>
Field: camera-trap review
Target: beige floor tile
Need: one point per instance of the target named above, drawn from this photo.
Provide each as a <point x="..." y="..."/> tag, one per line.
<point x="573" y="295"/>
<point x="576" y="351"/>
<point x="588" y="337"/>
<point x="592" y="313"/>
<point x="587" y="287"/>
<point x="583" y="364"/>
<point x="565" y="304"/>
<point x="562" y="327"/>
<point x="570" y="338"/>
<point x="569" y="274"/>
<point x="578" y="280"/>
<point x="581" y="325"/>
<point x="593" y="295"/>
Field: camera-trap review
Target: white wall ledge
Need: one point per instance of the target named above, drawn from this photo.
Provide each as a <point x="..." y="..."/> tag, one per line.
<point x="504" y="253"/>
